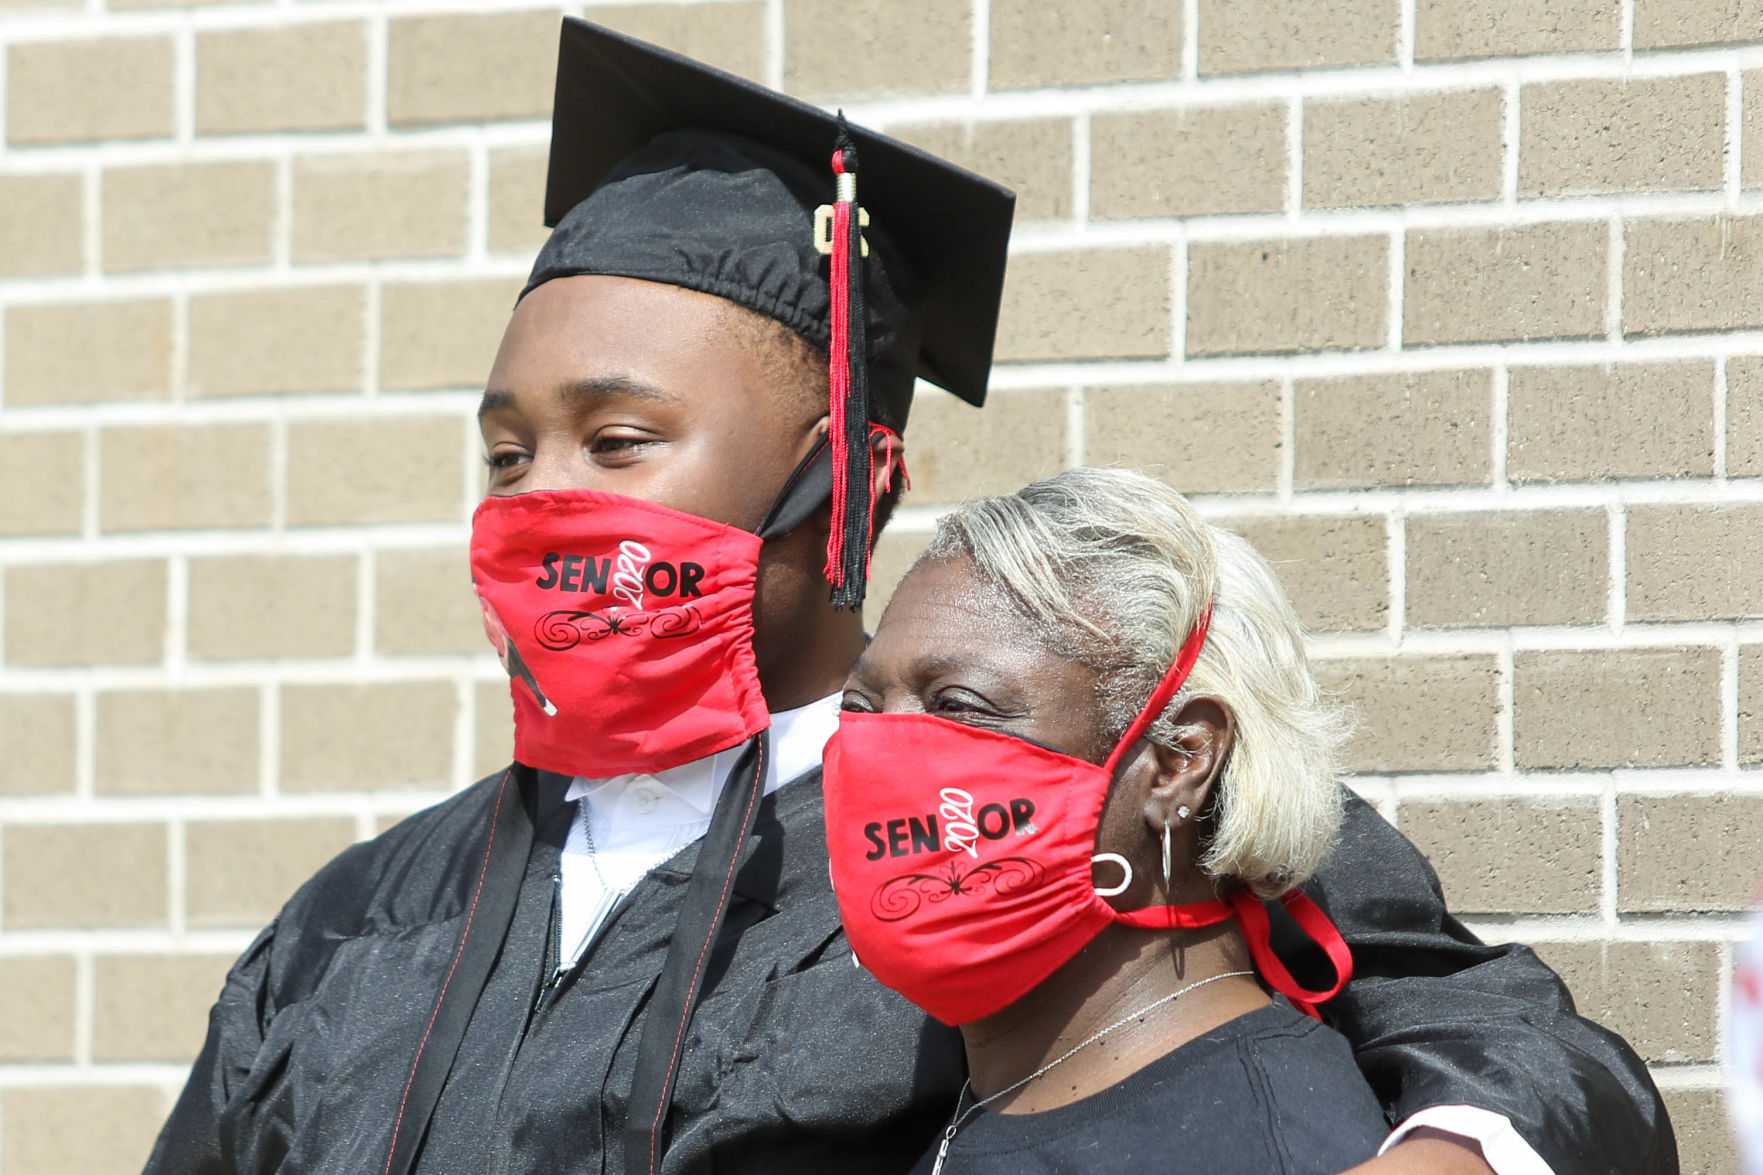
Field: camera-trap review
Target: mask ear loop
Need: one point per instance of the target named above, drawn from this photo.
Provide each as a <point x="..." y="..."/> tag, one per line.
<point x="1164" y="693"/>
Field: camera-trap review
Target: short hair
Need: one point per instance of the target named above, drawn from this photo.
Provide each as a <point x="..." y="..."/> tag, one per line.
<point x="1115" y="569"/>
<point x="797" y="371"/>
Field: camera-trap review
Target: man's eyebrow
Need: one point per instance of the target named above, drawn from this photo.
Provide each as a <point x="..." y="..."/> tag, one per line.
<point x="584" y="392"/>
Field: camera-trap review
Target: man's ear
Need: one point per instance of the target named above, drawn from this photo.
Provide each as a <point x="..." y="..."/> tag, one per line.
<point x="1188" y="773"/>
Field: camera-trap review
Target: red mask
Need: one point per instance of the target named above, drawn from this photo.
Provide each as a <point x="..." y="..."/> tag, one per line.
<point x="627" y="629"/>
<point x="962" y="859"/>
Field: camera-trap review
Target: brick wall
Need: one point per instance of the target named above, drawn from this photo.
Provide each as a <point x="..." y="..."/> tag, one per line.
<point x="1454" y="307"/>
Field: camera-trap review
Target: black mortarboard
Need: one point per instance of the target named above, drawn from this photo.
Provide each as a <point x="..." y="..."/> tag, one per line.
<point x="669" y="170"/>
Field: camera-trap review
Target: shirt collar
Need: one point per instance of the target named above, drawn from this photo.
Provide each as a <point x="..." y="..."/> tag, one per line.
<point x="687" y="793"/>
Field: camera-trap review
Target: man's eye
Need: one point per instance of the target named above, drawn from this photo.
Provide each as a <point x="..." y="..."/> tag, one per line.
<point x="505" y="459"/>
<point x="618" y="442"/>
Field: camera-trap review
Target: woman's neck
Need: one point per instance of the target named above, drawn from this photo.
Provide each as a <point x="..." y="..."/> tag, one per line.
<point x="1122" y="973"/>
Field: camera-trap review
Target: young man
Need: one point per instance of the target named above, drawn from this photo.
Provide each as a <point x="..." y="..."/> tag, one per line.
<point x="623" y="954"/>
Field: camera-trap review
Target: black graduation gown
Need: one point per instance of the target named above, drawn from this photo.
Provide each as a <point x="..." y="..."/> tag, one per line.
<point x="796" y="1059"/>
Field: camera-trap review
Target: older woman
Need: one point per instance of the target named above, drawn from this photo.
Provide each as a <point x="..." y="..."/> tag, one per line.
<point x="1083" y="745"/>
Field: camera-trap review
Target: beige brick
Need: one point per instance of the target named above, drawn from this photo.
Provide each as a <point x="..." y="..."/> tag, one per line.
<point x="1751" y="128"/>
<point x="367" y="737"/>
<point x="153" y="1007"/>
<point x="387" y="469"/>
<point x="1744" y="416"/>
<point x="176" y="741"/>
<point x="272" y="606"/>
<point x="1750" y="713"/>
<point x="188" y="214"/>
<point x="1513" y="856"/>
<point x="366" y="207"/>
<point x="1418" y="713"/>
<point x="493" y="734"/>
<point x="1605" y="135"/>
<point x="1336" y="570"/>
<point x="300" y="77"/>
<point x="1508" y="567"/>
<point x="1705" y="1142"/>
<point x="1627" y="420"/>
<point x="426" y="603"/>
<point x="1694" y="562"/>
<point x="909" y="46"/>
<point x="957" y="452"/>
<point x="168" y="476"/>
<point x="1677" y="854"/>
<point x="36" y="1018"/>
<point x="1671" y="24"/>
<point x="81" y="353"/>
<point x="728" y="36"/>
<point x="241" y="871"/>
<point x="1237" y="36"/>
<point x="895" y="553"/>
<point x="1089" y="304"/>
<point x="1616" y="708"/>
<point x="91" y="1129"/>
<point x="1416" y="428"/>
<point x="1496" y="285"/>
<point x="41" y="482"/>
<point x="83" y="875"/>
<point x="255" y="342"/>
<point x="517" y="199"/>
<point x="470" y="67"/>
<point x="1691" y="275"/>
<point x="40" y="233"/>
<point x="37" y="730"/>
<point x="86" y="613"/>
<point x="1200" y="438"/>
<point x="1410" y="150"/>
<point x="1031" y="157"/>
<point x="1445" y="29"/>
<point x="443" y="334"/>
<point x="1083" y="42"/>
<point x="1309" y="294"/>
<point x="1658" y="996"/>
<point x="1210" y="159"/>
<point x="85" y="91"/>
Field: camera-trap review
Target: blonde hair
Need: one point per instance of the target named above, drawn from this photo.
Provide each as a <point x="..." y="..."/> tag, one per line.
<point x="1115" y="569"/>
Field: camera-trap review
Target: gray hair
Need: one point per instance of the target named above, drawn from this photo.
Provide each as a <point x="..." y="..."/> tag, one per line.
<point x="1114" y="569"/>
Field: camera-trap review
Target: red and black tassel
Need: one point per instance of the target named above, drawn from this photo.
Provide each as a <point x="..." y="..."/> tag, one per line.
<point x="853" y="501"/>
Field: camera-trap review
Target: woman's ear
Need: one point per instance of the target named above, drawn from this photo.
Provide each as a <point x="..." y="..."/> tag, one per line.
<point x="1188" y="773"/>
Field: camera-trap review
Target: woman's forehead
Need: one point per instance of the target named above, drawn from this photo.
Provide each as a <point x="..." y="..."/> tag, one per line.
<point x="945" y="613"/>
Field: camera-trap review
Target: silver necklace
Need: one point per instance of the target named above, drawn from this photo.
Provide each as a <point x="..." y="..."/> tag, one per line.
<point x="961" y="1116"/>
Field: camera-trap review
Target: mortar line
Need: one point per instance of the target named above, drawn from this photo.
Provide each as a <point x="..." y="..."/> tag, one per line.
<point x="1625" y="36"/>
<point x="85" y="745"/>
<point x="184" y="85"/>
<point x="1082" y="147"/>
<point x="464" y="733"/>
<point x="1405" y="37"/>
<point x="377" y="56"/>
<point x="366" y="574"/>
<point x="1607" y="898"/>
<point x="1178" y="303"/>
<point x="84" y="1007"/>
<point x="774" y="34"/>
<point x="1076" y="426"/>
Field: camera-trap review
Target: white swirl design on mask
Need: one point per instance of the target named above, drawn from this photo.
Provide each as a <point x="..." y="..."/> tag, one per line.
<point x="959" y="830"/>
<point x="627" y="579"/>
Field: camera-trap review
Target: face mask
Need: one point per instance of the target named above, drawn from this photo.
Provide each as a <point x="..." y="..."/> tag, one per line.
<point x="627" y="629"/>
<point x="962" y="859"/>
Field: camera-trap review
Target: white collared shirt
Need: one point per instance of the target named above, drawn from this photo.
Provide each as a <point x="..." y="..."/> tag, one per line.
<point x="641" y="820"/>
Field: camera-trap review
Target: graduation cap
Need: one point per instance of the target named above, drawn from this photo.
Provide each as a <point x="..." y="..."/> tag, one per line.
<point x="888" y="258"/>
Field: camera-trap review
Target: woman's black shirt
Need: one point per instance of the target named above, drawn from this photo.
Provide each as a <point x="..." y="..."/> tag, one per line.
<point x="1272" y="1092"/>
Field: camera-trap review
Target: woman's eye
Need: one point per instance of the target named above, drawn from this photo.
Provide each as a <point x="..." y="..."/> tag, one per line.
<point x="856" y="703"/>
<point x="959" y="702"/>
